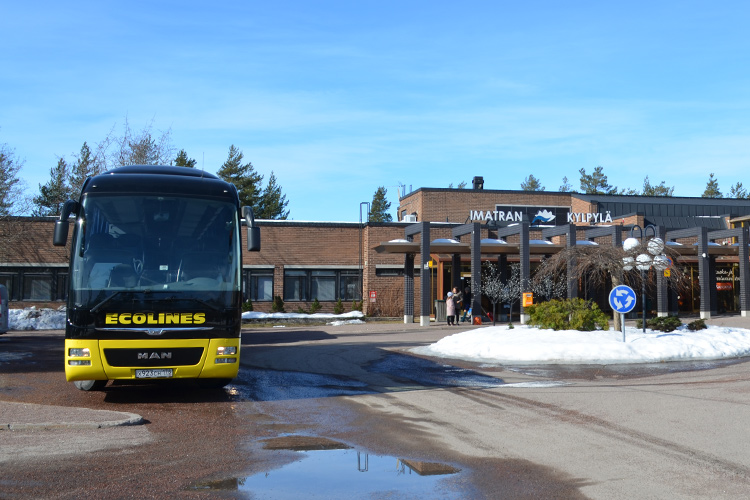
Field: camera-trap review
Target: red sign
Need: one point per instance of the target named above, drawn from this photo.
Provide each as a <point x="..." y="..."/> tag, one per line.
<point x="373" y="295"/>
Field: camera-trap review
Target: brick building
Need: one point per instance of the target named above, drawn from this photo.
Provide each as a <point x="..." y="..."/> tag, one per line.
<point x="381" y="264"/>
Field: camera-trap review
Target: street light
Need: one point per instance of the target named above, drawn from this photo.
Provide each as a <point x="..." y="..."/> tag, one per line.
<point x="644" y="260"/>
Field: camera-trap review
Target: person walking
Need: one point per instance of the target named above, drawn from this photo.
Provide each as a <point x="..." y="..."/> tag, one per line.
<point x="450" y="309"/>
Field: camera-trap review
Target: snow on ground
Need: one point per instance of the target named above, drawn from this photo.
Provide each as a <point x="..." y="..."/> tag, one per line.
<point x="350" y="318"/>
<point x="54" y="319"/>
<point x="522" y="344"/>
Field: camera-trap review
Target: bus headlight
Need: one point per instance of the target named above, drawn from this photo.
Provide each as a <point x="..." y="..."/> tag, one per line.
<point x="226" y="350"/>
<point x="226" y="360"/>
<point x="79" y="362"/>
<point x="77" y="352"/>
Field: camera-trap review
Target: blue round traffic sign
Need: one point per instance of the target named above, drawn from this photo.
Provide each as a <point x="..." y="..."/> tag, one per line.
<point x="622" y="299"/>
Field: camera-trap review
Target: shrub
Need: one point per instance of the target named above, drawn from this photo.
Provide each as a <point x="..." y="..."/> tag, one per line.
<point x="356" y="306"/>
<point x="247" y="306"/>
<point x="278" y="305"/>
<point x="338" y="307"/>
<point x="568" y="314"/>
<point x="300" y="310"/>
<point x="698" y="324"/>
<point x="661" y="323"/>
<point x="315" y="307"/>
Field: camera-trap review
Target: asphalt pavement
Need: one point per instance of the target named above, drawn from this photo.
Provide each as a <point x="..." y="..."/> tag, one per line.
<point x="22" y="416"/>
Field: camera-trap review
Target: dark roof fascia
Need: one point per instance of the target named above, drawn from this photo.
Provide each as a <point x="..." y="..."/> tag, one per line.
<point x="681" y="200"/>
<point x="478" y="191"/>
<point x="296" y="223"/>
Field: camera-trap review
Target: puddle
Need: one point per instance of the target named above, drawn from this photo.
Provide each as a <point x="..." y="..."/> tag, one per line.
<point x="345" y="474"/>
<point x="428" y="373"/>
<point x="275" y="385"/>
<point x="8" y="357"/>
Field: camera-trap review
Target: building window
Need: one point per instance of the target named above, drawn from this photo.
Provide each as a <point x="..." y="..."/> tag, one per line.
<point x="37" y="287"/>
<point x="326" y="285"/>
<point x="350" y="286"/>
<point x="259" y="285"/>
<point x="389" y="271"/>
<point x="295" y="285"/>
<point x="7" y="281"/>
<point x="62" y="286"/>
<point x="323" y="284"/>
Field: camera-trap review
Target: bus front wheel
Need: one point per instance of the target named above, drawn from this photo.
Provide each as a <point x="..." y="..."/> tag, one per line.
<point x="90" y="385"/>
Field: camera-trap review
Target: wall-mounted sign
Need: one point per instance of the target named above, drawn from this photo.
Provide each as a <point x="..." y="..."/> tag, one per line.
<point x="539" y="216"/>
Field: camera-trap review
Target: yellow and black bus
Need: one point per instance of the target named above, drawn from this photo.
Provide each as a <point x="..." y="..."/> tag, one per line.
<point x="155" y="288"/>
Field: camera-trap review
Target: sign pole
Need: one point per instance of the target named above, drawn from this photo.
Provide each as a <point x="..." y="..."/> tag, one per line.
<point x="622" y="300"/>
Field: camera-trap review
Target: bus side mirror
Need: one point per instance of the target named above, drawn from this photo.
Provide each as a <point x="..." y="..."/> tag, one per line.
<point x="253" y="231"/>
<point x="60" y="237"/>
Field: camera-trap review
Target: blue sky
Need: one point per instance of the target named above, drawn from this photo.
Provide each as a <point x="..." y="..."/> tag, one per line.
<point x="338" y="98"/>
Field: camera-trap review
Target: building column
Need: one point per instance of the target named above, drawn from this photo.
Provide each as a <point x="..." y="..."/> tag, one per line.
<point x="662" y="306"/>
<point x="524" y="251"/>
<point x="456" y="271"/>
<point x="409" y="288"/>
<point x="743" y="240"/>
<point x="425" y="275"/>
<point x="704" y="273"/>
<point x="476" y="272"/>
<point x="570" y="243"/>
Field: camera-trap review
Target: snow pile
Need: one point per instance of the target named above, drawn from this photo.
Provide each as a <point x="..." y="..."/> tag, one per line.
<point x="321" y="316"/>
<point x="32" y="318"/>
<point x="532" y="345"/>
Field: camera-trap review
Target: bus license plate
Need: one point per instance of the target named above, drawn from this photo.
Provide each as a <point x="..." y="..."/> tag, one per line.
<point x="159" y="373"/>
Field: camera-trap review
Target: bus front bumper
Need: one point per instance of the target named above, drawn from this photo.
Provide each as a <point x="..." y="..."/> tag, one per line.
<point x="151" y="359"/>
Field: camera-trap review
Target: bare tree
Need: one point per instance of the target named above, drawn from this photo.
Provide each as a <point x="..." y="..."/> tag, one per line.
<point x="599" y="266"/>
<point x="548" y="285"/>
<point x="501" y="291"/>
<point x="146" y="147"/>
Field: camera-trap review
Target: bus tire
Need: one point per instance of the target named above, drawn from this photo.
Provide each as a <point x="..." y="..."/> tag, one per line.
<point x="90" y="385"/>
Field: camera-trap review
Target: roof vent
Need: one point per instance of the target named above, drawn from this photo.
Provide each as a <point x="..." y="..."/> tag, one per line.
<point x="478" y="182"/>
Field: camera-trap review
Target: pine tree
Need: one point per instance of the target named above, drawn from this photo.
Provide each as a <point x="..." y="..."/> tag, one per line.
<point x="531" y="183"/>
<point x="712" y="188"/>
<point x="660" y="190"/>
<point x="596" y="183"/>
<point x="11" y="186"/>
<point x="380" y="206"/>
<point x="244" y="177"/>
<point x="53" y="194"/>
<point x="738" y="192"/>
<point x="565" y="187"/>
<point x="84" y="167"/>
<point x="272" y="202"/>
<point x="183" y="160"/>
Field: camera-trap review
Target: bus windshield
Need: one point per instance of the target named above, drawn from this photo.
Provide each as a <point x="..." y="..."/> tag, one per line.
<point x="163" y="246"/>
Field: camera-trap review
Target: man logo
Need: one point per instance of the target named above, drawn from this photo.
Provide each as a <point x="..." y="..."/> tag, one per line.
<point x="155" y="355"/>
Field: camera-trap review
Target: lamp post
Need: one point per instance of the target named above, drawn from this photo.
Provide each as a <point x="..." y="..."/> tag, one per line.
<point x="644" y="260"/>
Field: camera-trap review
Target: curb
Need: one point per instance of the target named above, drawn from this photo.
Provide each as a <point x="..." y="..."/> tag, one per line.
<point x="27" y="416"/>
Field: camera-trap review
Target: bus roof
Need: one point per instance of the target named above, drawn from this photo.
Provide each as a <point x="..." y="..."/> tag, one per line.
<point x="154" y="179"/>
